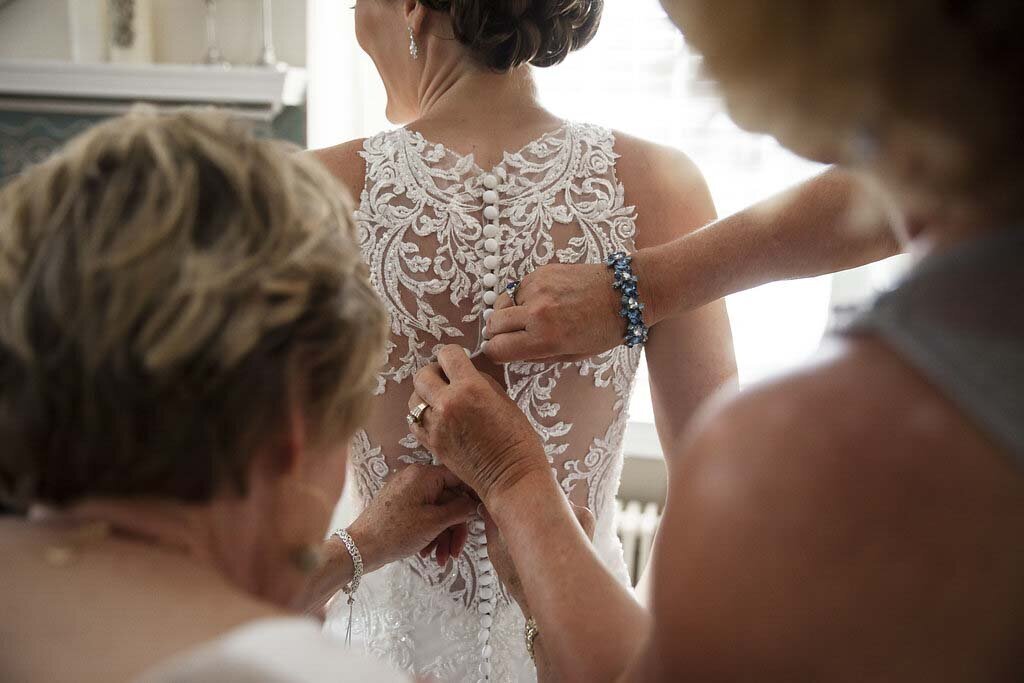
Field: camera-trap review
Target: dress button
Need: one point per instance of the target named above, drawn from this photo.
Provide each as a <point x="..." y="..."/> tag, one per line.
<point x="490" y="230"/>
<point x="491" y="245"/>
<point x="491" y="197"/>
<point x="490" y="298"/>
<point x="490" y="280"/>
<point x="488" y="313"/>
<point x="501" y="173"/>
<point x="485" y="608"/>
<point x="486" y="580"/>
<point x="483" y="345"/>
<point x="491" y="262"/>
<point x="485" y="668"/>
<point x="490" y="181"/>
<point x="491" y="212"/>
<point x="486" y="566"/>
<point x="486" y="620"/>
<point x="486" y="593"/>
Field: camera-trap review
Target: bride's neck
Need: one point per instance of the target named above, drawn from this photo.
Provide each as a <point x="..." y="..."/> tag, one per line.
<point x="459" y="91"/>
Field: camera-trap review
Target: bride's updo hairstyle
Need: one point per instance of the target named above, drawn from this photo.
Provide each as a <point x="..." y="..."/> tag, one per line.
<point x="504" y="34"/>
<point x="926" y="93"/>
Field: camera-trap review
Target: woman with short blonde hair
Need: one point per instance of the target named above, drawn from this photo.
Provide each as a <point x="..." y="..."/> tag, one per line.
<point x="187" y="342"/>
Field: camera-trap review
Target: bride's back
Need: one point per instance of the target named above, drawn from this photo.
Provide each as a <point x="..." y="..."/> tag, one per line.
<point x="444" y="231"/>
<point x="479" y="188"/>
<point x="445" y="221"/>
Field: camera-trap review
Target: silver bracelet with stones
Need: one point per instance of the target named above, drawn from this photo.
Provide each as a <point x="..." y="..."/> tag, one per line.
<point x="357" y="576"/>
<point x="632" y="310"/>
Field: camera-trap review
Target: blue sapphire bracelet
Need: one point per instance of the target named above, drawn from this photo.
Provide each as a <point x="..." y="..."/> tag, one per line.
<point x="632" y="310"/>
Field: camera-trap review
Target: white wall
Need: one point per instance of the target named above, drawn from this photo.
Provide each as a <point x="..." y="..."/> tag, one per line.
<point x="39" y="29"/>
<point x="346" y="96"/>
<point x="180" y="32"/>
<point x="35" y="29"/>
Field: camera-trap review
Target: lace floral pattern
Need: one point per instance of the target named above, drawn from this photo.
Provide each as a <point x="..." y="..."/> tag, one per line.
<point x="421" y="230"/>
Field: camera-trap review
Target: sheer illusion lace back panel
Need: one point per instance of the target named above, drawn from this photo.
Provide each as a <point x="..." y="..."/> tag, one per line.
<point x="421" y="227"/>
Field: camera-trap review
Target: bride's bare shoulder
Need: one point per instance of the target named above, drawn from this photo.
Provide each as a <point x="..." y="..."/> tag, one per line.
<point x="654" y="160"/>
<point x="666" y="187"/>
<point x="345" y="163"/>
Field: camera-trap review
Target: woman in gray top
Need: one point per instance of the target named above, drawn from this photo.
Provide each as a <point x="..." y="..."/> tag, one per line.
<point x="858" y="518"/>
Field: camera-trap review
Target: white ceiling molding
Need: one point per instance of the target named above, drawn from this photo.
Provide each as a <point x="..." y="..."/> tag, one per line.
<point x="248" y="87"/>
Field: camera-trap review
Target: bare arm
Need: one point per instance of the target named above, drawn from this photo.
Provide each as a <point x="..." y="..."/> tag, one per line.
<point x="829" y="223"/>
<point x="590" y="625"/>
<point x="690" y="352"/>
<point x="497" y="551"/>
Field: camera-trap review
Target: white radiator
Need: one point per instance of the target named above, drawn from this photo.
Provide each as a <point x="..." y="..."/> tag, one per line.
<point x="636" y="524"/>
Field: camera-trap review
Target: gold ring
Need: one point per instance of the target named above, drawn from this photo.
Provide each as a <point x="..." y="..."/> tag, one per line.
<point x="415" y="416"/>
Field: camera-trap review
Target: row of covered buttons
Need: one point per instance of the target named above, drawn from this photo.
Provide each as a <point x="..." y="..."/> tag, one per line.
<point x="492" y="246"/>
<point x="492" y="288"/>
<point x="488" y="594"/>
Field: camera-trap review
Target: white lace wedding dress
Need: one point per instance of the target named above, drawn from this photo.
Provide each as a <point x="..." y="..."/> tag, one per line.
<point x="422" y="231"/>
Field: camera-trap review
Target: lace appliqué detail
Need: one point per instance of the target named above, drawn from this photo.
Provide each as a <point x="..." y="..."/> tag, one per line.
<point x="421" y="230"/>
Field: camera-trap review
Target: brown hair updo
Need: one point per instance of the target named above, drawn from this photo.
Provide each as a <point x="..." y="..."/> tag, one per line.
<point x="504" y="34"/>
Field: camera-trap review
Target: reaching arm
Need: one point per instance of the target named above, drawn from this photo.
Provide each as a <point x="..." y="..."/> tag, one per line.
<point x="829" y="223"/>
<point x="590" y="625"/>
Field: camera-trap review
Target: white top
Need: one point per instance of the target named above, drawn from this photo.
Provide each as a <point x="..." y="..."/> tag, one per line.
<point x="287" y="650"/>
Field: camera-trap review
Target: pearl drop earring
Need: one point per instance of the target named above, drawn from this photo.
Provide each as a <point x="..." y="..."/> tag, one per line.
<point x="414" y="49"/>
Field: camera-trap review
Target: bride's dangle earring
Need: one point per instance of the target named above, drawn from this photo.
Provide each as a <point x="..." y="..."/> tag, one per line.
<point x="414" y="49"/>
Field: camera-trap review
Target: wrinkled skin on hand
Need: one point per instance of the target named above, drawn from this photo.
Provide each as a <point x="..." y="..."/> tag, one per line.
<point x="473" y="427"/>
<point x="421" y="508"/>
<point x="564" y="312"/>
